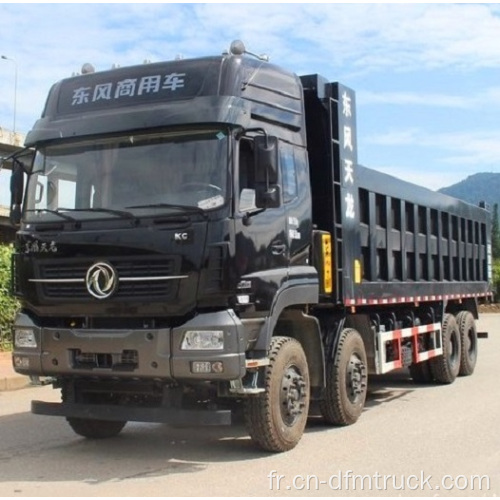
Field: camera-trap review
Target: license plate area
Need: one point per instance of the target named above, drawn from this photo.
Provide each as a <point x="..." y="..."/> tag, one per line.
<point x="127" y="360"/>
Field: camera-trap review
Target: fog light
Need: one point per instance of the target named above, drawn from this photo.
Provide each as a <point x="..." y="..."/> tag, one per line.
<point x="243" y="299"/>
<point x="21" y="362"/>
<point x="203" y="340"/>
<point x="24" y="337"/>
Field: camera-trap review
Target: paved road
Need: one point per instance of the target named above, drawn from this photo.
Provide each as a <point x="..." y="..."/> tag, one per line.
<point x="419" y="438"/>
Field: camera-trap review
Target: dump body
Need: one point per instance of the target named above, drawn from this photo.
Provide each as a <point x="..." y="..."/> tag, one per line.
<point x="395" y="242"/>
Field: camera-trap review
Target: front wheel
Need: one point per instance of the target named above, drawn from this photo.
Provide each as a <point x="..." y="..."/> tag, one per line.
<point x="276" y="418"/>
<point x="95" y="429"/>
<point x="88" y="427"/>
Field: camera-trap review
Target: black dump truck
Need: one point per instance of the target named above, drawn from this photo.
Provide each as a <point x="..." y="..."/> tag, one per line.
<point x="196" y="238"/>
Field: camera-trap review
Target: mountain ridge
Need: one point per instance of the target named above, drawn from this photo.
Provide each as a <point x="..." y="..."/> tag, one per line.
<point x="483" y="186"/>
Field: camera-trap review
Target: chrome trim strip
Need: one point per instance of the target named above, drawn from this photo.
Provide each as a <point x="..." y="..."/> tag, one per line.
<point x="58" y="280"/>
<point x="154" y="278"/>
<point x="82" y="280"/>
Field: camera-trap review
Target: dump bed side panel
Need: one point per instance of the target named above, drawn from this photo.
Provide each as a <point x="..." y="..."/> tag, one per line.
<point x="416" y="244"/>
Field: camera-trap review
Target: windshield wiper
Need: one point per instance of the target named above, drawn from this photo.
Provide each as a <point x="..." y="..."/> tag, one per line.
<point x="55" y="212"/>
<point x="119" y="213"/>
<point x="188" y="208"/>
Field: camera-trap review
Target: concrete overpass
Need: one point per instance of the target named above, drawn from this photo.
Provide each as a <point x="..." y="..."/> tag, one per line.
<point x="10" y="142"/>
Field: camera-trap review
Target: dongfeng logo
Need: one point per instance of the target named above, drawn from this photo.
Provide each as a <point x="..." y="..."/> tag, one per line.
<point x="101" y="280"/>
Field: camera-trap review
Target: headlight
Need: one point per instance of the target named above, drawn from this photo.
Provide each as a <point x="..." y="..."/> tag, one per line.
<point x="24" y="337"/>
<point x="203" y="340"/>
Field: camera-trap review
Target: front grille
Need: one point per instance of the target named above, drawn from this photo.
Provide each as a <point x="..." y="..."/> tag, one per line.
<point x="135" y="267"/>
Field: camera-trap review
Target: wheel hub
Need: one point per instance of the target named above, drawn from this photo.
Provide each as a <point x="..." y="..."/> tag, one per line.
<point x="454" y="346"/>
<point x="471" y="342"/>
<point x="356" y="378"/>
<point x="293" y="395"/>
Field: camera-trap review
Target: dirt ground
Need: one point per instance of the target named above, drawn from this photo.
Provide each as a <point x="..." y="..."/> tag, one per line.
<point x="489" y="308"/>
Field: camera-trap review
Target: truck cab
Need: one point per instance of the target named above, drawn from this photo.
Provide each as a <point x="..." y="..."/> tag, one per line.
<point x="167" y="213"/>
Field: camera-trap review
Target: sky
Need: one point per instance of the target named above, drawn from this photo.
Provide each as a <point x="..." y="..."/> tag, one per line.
<point x="426" y="75"/>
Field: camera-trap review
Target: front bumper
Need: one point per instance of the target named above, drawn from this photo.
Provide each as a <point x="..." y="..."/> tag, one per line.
<point x="145" y="353"/>
<point x="174" y="416"/>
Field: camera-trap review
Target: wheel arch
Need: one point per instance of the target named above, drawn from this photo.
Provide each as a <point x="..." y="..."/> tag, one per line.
<point x="361" y="323"/>
<point x="469" y="304"/>
<point x="306" y="330"/>
<point x="294" y="294"/>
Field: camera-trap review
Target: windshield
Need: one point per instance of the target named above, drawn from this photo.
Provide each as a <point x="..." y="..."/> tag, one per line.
<point x="129" y="175"/>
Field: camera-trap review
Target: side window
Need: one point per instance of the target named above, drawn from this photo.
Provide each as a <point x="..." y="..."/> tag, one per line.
<point x="289" y="173"/>
<point x="246" y="177"/>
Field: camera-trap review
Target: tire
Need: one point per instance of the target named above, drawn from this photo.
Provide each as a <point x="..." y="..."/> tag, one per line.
<point x="421" y="373"/>
<point x="95" y="429"/>
<point x="468" y="341"/>
<point x="276" y="418"/>
<point x="445" y="368"/>
<point x="347" y="381"/>
<point x="87" y="427"/>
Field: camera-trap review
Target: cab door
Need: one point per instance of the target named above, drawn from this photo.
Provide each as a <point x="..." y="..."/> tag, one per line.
<point x="296" y="202"/>
<point x="262" y="251"/>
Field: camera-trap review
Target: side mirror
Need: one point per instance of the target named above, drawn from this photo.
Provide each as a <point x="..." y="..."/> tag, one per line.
<point x="16" y="193"/>
<point x="266" y="159"/>
<point x="268" y="194"/>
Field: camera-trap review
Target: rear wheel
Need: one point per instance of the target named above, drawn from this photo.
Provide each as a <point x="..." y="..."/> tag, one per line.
<point x="468" y="341"/>
<point x="276" y="418"/>
<point x="445" y="368"/>
<point x="347" y="381"/>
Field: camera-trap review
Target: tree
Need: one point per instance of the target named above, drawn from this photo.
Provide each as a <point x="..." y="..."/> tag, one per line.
<point x="8" y="304"/>
<point x="495" y="233"/>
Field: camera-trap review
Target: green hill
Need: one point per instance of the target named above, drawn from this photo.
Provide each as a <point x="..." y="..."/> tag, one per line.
<point x="475" y="188"/>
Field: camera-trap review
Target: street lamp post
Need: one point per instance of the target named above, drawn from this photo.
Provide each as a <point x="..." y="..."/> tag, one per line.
<point x="15" y="88"/>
